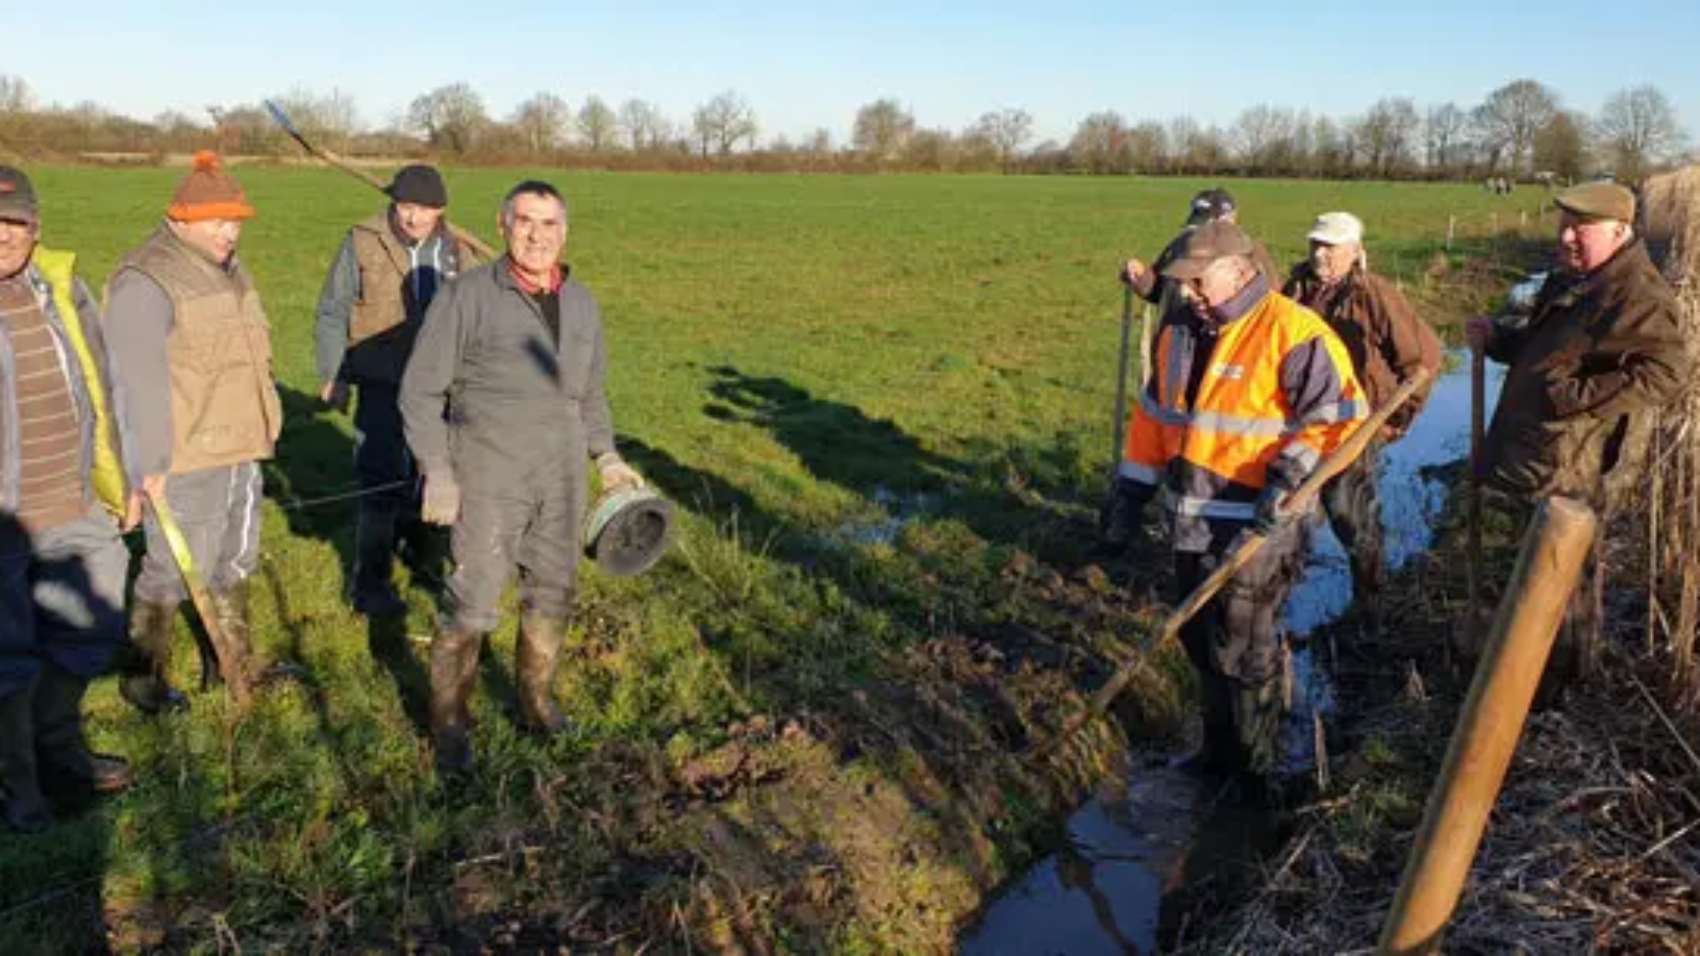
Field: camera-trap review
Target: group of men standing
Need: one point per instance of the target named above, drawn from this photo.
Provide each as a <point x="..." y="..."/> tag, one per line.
<point x="479" y="402"/>
<point x="166" y="398"/>
<point x="1250" y="389"/>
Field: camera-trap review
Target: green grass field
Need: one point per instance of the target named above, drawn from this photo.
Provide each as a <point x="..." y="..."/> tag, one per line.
<point x="884" y="405"/>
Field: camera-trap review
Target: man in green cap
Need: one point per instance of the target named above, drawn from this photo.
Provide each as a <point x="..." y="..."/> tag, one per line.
<point x="1599" y="353"/>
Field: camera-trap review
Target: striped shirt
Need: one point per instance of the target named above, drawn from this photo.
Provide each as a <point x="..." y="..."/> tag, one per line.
<point x="52" y="489"/>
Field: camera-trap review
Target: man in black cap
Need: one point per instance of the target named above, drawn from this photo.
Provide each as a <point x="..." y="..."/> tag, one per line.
<point x="380" y="284"/>
<point x="1210" y="205"/>
<point x="1600" y="353"/>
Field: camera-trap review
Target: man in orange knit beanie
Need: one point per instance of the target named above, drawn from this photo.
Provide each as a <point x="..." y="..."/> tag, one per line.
<point x="192" y="350"/>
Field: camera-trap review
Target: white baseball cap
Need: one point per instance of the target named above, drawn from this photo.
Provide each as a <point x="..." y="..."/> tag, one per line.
<point x="1337" y="228"/>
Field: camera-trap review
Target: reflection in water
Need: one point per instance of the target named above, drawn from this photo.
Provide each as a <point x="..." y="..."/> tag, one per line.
<point x="1313" y="698"/>
<point x="896" y="512"/>
<point x="1409" y="501"/>
<point x="1103" y="892"/>
<point x="1521" y="298"/>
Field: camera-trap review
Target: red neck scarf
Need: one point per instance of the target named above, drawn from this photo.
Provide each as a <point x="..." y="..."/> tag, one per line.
<point x="533" y="288"/>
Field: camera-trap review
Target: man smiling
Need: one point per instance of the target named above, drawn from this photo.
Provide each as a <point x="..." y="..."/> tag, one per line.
<point x="192" y="351"/>
<point x="515" y="350"/>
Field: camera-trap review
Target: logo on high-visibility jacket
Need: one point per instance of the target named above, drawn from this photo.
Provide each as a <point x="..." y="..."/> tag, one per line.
<point x="1233" y="372"/>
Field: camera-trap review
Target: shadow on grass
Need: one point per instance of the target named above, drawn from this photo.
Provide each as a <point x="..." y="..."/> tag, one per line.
<point x="50" y="899"/>
<point x="388" y="641"/>
<point x="314" y="460"/>
<point x="905" y="735"/>
<point x="69" y="890"/>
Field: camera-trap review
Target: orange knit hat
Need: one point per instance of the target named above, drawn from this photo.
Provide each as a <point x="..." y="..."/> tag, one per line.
<point x="208" y="192"/>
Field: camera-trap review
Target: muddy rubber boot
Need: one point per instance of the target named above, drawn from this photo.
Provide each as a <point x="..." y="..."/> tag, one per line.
<point x="233" y="643"/>
<point x="146" y="659"/>
<point x="23" y="807"/>
<point x="61" y="749"/>
<point x="454" y="665"/>
<point x="374" y="593"/>
<point x="535" y="660"/>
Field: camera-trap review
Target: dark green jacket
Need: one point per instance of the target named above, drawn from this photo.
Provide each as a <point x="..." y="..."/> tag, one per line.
<point x="1599" y="353"/>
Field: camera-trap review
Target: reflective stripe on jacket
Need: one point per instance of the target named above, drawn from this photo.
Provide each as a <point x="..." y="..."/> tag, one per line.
<point x="1234" y="406"/>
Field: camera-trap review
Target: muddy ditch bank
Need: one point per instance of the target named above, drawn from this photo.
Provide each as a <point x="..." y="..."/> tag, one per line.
<point x="873" y="822"/>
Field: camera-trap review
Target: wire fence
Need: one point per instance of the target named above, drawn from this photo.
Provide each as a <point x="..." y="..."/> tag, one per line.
<point x="319" y="501"/>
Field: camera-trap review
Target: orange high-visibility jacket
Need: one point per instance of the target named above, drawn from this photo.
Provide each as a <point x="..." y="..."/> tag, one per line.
<point x="1276" y="393"/>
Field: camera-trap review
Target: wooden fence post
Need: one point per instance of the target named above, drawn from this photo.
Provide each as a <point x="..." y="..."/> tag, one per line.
<point x="1554" y="547"/>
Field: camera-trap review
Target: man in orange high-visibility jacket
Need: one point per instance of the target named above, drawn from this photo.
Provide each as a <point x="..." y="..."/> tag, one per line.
<point x="1249" y="391"/>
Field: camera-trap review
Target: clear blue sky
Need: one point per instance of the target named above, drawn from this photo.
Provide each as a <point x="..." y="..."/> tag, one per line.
<point x="804" y="66"/>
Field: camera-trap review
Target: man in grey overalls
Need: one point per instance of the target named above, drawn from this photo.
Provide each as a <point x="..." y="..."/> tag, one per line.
<point x="515" y="349"/>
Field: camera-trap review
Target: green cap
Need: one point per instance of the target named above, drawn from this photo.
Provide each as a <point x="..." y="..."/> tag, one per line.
<point x="1600" y="200"/>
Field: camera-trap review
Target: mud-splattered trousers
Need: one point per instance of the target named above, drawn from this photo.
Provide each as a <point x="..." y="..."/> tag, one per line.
<point x="527" y="412"/>
<point x="1235" y="645"/>
<point x="1353" y="507"/>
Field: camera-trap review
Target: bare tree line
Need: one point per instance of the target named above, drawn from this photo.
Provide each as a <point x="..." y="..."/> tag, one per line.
<point x="1520" y="130"/>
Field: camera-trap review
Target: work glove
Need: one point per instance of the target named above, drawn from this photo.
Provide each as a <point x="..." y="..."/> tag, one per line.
<point x="442" y="500"/>
<point x="1271" y="513"/>
<point x="616" y="474"/>
<point x="1124" y="503"/>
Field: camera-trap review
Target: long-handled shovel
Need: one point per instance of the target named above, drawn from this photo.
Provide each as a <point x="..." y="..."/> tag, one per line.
<point x="478" y="245"/>
<point x="1249" y="544"/>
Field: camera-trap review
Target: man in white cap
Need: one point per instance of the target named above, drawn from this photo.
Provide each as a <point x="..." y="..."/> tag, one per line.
<point x="1388" y="344"/>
